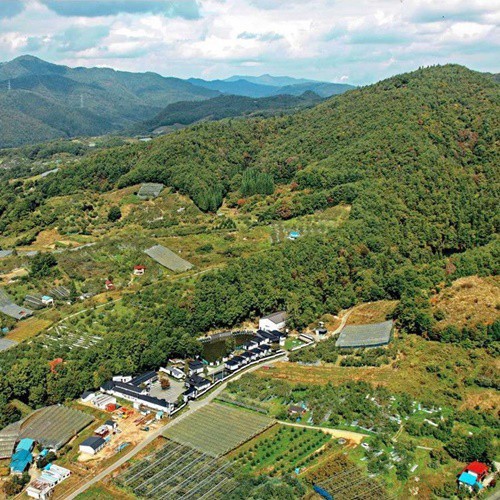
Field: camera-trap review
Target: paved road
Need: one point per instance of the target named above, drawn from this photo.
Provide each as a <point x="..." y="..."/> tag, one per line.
<point x="193" y="407"/>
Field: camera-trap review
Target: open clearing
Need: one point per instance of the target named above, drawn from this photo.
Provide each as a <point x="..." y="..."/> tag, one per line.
<point x="27" y="328"/>
<point x="217" y="429"/>
<point x="371" y="312"/>
<point x="469" y="301"/>
<point x="456" y="363"/>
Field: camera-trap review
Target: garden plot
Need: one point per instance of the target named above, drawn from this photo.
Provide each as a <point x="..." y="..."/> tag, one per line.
<point x="66" y="337"/>
<point x="217" y="429"/>
<point x="179" y="471"/>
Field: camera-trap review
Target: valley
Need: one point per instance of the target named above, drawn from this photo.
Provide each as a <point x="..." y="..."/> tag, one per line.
<point x="376" y="208"/>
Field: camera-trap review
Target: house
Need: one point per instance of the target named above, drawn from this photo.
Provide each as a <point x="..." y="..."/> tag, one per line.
<point x="111" y="425"/>
<point x="248" y="356"/>
<point x="92" y="445"/>
<point x="195" y="367"/>
<point x="472" y="475"/>
<point x="293" y="235"/>
<point x="275" y="321"/>
<point x="232" y="365"/>
<point x="199" y="384"/>
<point x="47" y="300"/>
<point x="20" y="461"/>
<point x="101" y="431"/>
<point x="144" y="379"/>
<point x="177" y="373"/>
<point x="258" y="352"/>
<point x="102" y="400"/>
<point x="41" y="488"/>
<point x="139" y="270"/>
<point x="122" y="378"/>
<point x="87" y="396"/>
<point x="25" y="444"/>
<point x="137" y="395"/>
<point x="271" y="337"/>
<point x="296" y="411"/>
<point x="108" y="284"/>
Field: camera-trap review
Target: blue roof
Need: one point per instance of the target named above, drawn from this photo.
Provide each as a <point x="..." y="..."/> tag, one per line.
<point x="294" y="234"/>
<point x="467" y="478"/>
<point x="25" y="444"/>
<point x="47" y="297"/>
<point x="20" y="460"/>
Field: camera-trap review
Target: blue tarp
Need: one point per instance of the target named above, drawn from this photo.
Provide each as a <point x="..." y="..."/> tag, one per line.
<point x="467" y="478"/>
<point x="322" y="492"/>
<point x="21" y="460"/>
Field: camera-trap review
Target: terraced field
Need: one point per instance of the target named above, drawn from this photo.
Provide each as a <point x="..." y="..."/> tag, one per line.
<point x="217" y="429"/>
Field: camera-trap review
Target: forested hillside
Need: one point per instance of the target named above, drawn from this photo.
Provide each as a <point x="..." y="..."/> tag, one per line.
<point x="415" y="157"/>
<point x="47" y="101"/>
<point x="188" y="112"/>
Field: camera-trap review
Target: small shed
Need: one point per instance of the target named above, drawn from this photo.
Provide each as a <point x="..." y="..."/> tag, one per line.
<point x="139" y="270"/>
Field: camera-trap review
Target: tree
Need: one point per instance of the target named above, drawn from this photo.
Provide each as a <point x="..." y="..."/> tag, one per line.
<point x="42" y="264"/>
<point x="114" y="214"/>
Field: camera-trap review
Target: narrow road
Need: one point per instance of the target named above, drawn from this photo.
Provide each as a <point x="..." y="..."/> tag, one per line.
<point x="357" y="437"/>
<point x="343" y="321"/>
<point x="193" y="407"/>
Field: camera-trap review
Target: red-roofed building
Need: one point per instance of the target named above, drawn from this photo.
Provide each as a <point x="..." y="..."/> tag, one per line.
<point x="139" y="270"/>
<point x="477" y="468"/>
<point x="109" y="285"/>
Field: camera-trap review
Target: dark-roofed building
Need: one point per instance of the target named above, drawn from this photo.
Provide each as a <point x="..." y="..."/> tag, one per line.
<point x="374" y="335"/>
<point x="92" y="445"/>
<point x="8" y="307"/>
<point x="195" y="366"/>
<point x="145" y="378"/>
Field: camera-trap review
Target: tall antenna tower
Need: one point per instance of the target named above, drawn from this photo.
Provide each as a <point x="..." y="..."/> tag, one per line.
<point x="9" y="86"/>
<point x="81" y="101"/>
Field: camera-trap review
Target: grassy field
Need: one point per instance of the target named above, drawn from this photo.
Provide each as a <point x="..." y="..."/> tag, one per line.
<point x="371" y="312"/>
<point x="27" y="328"/>
<point x="455" y="364"/>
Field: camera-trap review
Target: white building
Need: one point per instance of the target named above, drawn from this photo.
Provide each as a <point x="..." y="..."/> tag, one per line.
<point x="275" y="321"/>
<point x="92" y="445"/>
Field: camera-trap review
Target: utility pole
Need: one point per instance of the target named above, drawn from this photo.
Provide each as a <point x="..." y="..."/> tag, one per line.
<point x="81" y="101"/>
<point x="9" y="86"/>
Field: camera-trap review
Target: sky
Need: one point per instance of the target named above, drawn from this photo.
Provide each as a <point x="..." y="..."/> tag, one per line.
<point x="351" y="41"/>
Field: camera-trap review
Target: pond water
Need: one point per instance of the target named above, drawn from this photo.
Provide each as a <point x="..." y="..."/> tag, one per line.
<point x="217" y="349"/>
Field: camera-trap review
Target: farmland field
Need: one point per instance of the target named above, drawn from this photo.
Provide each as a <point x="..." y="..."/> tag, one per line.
<point x="178" y="471"/>
<point x="217" y="429"/>
<point x="282" y="450"/>
<point x="341" y="478"/>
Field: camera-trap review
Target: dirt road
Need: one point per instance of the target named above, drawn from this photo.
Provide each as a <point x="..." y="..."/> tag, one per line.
<point x="338" y="433"/>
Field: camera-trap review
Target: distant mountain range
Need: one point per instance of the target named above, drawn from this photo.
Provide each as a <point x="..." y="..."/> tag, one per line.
<point x="181" y="114"/>
<point x="41" y="101"/>
<point x="250" y="86"/>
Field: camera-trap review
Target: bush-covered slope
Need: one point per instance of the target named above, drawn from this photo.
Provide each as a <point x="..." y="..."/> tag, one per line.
<point x="416" y="155"/>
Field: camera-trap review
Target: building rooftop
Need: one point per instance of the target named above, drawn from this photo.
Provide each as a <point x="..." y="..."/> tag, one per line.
<point x="277" y="317"/>
<point x="373" y="335"/>
<point x="93" y="442"/>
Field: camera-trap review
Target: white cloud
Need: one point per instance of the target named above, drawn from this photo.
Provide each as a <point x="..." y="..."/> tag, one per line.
<point x="337" y="40"/>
